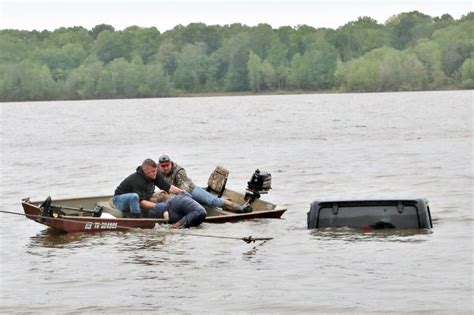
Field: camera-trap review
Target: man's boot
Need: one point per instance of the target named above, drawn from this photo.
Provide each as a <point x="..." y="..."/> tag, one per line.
<point x="231" y="206"/>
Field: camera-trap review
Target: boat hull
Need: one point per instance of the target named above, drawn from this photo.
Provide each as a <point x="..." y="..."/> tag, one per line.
<point x="73" y="222"/>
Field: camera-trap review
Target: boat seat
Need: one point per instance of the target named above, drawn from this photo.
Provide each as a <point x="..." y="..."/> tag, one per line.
<point x="108" y="207"/>
<point x="217" y="180"/>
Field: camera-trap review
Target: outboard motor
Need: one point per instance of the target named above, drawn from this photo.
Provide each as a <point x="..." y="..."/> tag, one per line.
<point x="259" y="184"/>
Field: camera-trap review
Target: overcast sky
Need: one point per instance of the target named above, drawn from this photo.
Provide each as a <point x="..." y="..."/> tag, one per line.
<point x="164" y="15"/>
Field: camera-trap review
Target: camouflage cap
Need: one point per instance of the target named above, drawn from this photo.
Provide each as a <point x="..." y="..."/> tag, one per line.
<point x="164" y="158"/>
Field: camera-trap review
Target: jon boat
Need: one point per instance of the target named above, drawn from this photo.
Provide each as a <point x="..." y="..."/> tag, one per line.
<point x="93" y="214"/>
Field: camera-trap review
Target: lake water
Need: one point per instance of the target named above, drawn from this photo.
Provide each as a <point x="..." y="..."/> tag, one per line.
<point x="329" y="146"/>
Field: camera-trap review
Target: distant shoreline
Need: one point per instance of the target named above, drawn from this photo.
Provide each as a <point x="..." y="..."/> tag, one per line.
<point x="231" y="94"/>
<point x="410" y="52"/>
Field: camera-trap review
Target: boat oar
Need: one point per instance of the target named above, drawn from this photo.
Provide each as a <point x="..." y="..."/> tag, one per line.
<point x="248" y="239"/>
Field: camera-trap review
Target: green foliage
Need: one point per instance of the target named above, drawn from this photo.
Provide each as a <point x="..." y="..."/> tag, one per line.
<point x="262" y="75"/>
<point x="13" y="48"/>
<point x="443" y="21"/>
<point x="357" y="38"/>
<point x="156" y="83"/>
<point x="96" y="30"/>
<point x="383" y="69"/>
<point x="315" y="69"/>
<point x="406" y="28"/>
<point x="192" y="64"/>
<point x="237" y="50"/>
<point x="82" y="82"/>
<point x="457" y="44"/>
<point x="112" y="45"/>
<point x="119" y="79"/>
<point x="144" y="41"/>
<point x="26" y="81"/>
<point x="72" y="35"/>
<point x="467" y="73"/>
<point x="429" y="54"/>
<point x="76" y="63"/>
<point x="67" y="57"/>
<point x="198" y="33"/>
<point x="166" y="56"/>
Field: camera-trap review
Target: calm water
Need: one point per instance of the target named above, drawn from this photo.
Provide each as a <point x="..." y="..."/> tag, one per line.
<point x="388" y="145"/>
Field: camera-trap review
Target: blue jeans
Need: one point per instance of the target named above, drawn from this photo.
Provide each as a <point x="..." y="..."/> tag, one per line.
<point x="205" y="198"/>
<point x="127" y="202"/>
<point x="184" y="209"/>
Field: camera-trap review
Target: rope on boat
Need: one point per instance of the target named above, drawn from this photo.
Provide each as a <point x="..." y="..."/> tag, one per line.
<point x="248" y="239"/>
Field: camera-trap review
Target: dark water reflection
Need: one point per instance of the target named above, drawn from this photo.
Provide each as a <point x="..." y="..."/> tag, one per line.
<point x="317" y="147"/>
<point x="384" y="235"/>
<point x="51" y="238"/>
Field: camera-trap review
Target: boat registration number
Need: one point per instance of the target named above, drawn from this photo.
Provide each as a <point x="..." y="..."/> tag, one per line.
<point x="100" y="225"/>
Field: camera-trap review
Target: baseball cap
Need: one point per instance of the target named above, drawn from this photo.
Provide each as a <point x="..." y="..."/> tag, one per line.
<point x="164" y="159"/>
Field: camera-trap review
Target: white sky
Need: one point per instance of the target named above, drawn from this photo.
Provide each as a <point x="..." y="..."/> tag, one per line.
<point x="164" y="15"/>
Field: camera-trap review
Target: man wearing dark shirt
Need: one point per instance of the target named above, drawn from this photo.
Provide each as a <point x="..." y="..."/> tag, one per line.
<point x="133" y="194"/>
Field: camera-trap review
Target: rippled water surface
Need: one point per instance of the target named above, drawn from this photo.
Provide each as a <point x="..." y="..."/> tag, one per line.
<point x="350" y="146"/>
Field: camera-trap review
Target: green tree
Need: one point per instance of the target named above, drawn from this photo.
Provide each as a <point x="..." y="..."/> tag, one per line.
<point x="277" y="53"/>
<point x="67" y="57"/>
<point x="166" y="56"/>
<point x="196" y="33"/>
<point x="269" y="76"/>
<point x="296" y="77"/>
<point x="237" y="50"/>
<point x="254" y="73"/>
<point x="457" y="44"/>
<point x="217" y="70"/>
<point x="406" y="28"/>
<point x="82" y="82"/>
<point x="429" y="54"/>
<point x="13" y="48"/>
<point x="96" y="30"/>
<point x="120" y="79"/>
<point x="301" y="40"/>
<point x="354" y="39"/>
<point x="144" y="41"/>
<point x="112" y="45"/>
<point x="26" y="81"/>
<point x="383" y="69"/>
<point x="467" y="73"/>
<point x="261" y="38"/>
<point x="315" y="69"/>
<point x="72" y="35"/>
<point x="191" y="72"/>
<point x="443" y="21"/>
<point x="156" y="83"/>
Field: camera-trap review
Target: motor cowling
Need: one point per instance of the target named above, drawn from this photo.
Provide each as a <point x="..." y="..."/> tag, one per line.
<point x="261" y="182"/>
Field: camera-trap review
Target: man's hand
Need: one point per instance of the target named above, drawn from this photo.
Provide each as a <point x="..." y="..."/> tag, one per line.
<point x="177" y="225"/>
<point x="146" y="204"/>
<point x="175" y="190"/>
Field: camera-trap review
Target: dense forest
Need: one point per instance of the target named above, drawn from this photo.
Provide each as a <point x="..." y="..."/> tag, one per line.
<point x="410" y="51"/>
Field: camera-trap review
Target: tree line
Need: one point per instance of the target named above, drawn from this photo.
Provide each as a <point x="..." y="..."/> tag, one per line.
<point x="410" y="51"/>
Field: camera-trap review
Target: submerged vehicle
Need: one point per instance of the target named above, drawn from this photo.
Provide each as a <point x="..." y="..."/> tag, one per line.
<point x="370" y="214"/>
<point x="92" y="214"/>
